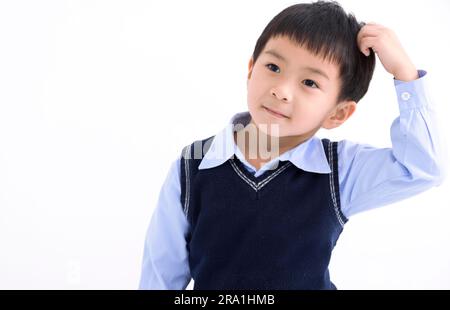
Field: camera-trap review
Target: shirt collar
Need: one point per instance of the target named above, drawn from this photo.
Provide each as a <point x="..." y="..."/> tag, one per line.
<point x="309" y="155"/>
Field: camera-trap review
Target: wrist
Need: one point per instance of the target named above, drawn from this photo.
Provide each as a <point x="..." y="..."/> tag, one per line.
<point x="407" y="75"/>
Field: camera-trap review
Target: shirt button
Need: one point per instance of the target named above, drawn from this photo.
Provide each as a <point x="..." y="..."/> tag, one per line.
<point x="406" y="96"/>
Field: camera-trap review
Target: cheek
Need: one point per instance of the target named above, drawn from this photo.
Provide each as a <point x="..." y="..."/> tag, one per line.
<point x="308" y="116"/>
<point x="254" y="93"/>
<point x="257" y="83"/>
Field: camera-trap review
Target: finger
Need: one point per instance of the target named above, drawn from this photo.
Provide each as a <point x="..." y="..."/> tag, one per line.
<point x="367" y="31"/>
<point x="361" y="39"/>
<point x="366" y="44"/>
<point x="375" y="27"/>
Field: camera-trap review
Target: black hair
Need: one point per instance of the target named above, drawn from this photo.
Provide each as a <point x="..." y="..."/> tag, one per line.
<point x="325" y="29"/>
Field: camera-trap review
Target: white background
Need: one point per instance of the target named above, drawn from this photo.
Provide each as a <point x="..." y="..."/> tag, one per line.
<point x="97" y="98"/>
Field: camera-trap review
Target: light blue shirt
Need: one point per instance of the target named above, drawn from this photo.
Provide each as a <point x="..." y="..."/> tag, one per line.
<point x="369" y="177"/>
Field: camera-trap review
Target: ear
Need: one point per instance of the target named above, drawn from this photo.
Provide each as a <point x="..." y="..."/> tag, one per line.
<point x="250" y="68"/>
<point x="339" y="114"/>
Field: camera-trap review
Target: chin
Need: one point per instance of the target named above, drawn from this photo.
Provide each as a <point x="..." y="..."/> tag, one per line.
<point x="271" y="129"/>
<point x="268" y="126"/>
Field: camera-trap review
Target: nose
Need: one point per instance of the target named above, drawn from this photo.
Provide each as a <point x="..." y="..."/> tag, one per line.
<point x="281" y="93"/>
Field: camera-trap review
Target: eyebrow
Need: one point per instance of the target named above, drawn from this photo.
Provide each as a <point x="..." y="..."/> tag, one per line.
<point x="311" y="69"/>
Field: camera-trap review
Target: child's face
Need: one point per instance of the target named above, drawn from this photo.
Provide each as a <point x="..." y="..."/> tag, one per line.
<point x="307" y="99"/>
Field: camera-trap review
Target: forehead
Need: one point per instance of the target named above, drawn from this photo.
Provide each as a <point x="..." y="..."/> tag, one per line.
<point x="298" y="56"/>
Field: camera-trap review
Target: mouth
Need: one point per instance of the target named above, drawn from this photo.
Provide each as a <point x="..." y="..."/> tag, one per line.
<point x="274" y="113"/>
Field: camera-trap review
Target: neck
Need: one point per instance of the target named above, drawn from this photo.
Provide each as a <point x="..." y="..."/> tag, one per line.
<point x="257" y="145"/>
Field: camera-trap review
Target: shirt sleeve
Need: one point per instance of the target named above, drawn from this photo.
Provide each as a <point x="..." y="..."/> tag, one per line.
<point x="371" y="177"/>
<point x="165" y="264"/>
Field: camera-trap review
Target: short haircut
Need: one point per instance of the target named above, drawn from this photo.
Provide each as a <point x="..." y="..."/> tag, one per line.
<point x="326" y="30"/>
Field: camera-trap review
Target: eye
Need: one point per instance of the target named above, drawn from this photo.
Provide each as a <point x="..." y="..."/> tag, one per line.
<point x="269" y="66"/>
<point x="311" y="82"/>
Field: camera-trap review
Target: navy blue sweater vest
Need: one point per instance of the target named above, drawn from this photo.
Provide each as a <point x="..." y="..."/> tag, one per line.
<point x="275" y="231"/>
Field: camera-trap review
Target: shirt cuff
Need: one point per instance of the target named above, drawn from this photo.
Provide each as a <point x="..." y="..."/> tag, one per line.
<point x="412" y="94"/>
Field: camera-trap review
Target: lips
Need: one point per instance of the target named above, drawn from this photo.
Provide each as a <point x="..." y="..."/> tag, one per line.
<point x="275" y="113"/>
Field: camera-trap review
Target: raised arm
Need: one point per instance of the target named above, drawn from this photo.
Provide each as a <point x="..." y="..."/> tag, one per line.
<point x="372" y="177"/>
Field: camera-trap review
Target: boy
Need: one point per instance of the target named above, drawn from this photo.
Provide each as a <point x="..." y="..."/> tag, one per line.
<point x="231" y="217"/>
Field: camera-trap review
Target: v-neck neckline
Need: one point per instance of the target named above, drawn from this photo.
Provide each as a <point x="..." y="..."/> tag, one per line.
<point x="257" y="182"/>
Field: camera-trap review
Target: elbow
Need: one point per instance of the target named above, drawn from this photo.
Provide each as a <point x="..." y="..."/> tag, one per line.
<point x="440" y="167"/>
<point x="437" y="175"/>
<point x="440" y="177"/>
<point x="434" y="175"/>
